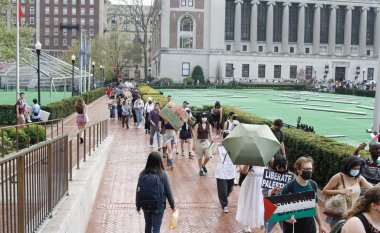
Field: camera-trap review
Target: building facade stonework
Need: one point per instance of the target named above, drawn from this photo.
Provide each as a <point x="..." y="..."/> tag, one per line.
<point x="266" y="40"/>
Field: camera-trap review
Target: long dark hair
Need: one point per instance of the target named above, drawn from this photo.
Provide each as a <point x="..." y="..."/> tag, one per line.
<point x="362" y="205"/>
<point x="351" y="162"/>
<point x="154" y="165"/>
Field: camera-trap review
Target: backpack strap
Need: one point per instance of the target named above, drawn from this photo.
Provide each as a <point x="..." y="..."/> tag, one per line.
<point x="291" y="186"/>
<point x="364" y="221"/>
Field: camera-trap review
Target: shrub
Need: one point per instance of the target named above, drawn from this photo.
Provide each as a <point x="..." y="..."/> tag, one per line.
<point x="20" y="134"/>
<point x="197" y="75"/>
<point x="8" y="144"/>
<point x="188" y="81"/>
<point x="166" y="81"/>
<point x="35" y="132"/>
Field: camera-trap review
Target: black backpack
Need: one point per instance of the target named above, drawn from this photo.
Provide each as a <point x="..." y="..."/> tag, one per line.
<point x="150" y="193"/>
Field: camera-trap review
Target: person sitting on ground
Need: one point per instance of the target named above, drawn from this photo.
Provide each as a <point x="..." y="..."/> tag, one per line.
<point x="347" y="182"/>
<point x="371" y="166"/>
<point x="364" y="217"/>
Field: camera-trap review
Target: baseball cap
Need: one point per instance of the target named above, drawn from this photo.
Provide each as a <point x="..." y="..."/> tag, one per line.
<point x="185" y="102"/>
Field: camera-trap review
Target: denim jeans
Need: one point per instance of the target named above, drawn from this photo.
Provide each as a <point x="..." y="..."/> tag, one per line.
<point x="139" y="113"/>
<point x="154" y="130"/>
<point x="153" y="220"/>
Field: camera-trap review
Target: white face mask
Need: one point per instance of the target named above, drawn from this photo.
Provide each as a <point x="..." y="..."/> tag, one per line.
<point x="354" y="172"/>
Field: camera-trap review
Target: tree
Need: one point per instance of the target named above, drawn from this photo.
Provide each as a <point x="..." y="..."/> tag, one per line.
<point x="301" y="75"/>
<point x="197" y="75"/>
<point x="140" y="16"/>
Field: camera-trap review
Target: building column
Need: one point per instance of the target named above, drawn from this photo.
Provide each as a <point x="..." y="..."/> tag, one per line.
<point x="376" y="45"/>
<point x="253" y="35"/>
<point x="237" y="26"/>
<point x="332" y="30"/>
<point x="317" y="28"/>
<point x="347" y="31"/>
<point x="285" y="28"/>
<point x="269" y="36"/>
<point x="363" y="32"/>
<point x="301" y="29"/>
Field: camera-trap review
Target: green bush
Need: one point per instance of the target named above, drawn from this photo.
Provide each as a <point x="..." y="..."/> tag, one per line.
<point x="348" y="91"/>
<point x="166" y="81"/>
<point x="23" y="140"/>
<point x="8" y="144"/>
<point x="147" y="91"/>
<point x="188" y="81"/>
<point x="300" y="87"/>
<point x="197" y="75"/>
<point x="35" y="132"/>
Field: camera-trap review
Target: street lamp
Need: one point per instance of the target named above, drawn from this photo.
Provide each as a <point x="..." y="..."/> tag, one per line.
<point x="38" y="50"/>
<point x="72" y="79"/>
<point x="363" y="74"/>
<point x="101" y="75"/>
<point x="93" y="74"/>
<point x="233" y="77"/>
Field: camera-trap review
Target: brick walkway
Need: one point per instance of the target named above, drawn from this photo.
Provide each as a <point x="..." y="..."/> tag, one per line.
<point x="196" y="197"/>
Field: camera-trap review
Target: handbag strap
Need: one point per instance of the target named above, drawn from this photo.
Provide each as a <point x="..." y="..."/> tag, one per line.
<point x="341" y="178"/>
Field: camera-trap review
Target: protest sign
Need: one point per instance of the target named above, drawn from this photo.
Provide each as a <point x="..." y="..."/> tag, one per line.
<point x="273" y="179"/>
<point x="175" y="115"/>
<point x="280" y="208"/>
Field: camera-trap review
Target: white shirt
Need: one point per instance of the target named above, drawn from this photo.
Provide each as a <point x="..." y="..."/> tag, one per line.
<point x="225" y="169"/>
<point x="148" y="107"/>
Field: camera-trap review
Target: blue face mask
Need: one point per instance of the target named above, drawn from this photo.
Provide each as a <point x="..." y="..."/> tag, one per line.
<point x="354" y="172"/>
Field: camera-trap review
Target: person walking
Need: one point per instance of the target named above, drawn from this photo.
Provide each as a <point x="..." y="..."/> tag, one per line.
<point x="149" y="106"/>
<point x="35" y="114"/>
<point x="279" y="134"/>
<point x="364" y="217"/>
<point x="139" y="106"/>
<point x="108" y="91"/>
<point x="217" y="114"/>
<point x="185" y="136"/>
<point x="170" y="140"/>
<point x="112" y="107"/>
<point x="152" y="190"/>
<point x="126" y="113"/>
<point x="21" y="112"/>
<point x="230" y="124"/>
<point x="347" y="182"/>
<point x="202" y="138"/>
<point x="155" y="125"/>
<point x="82" y="117"/>
<point x="303" y="183"/>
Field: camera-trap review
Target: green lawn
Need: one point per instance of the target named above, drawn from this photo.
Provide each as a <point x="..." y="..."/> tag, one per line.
<point x="288" y="105"/>
<point x="9" y="97"/>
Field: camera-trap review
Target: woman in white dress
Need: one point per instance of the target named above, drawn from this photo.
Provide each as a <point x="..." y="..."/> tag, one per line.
<point x="250" y="210"/>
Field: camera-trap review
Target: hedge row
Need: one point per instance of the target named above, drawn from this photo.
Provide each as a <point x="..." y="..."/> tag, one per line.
<point x="328" y="154"/>
<point x="349" y="91"/>
<point x="239" y="86"/>
<point x="146" y="91"/>
<point x="58" y="109"/>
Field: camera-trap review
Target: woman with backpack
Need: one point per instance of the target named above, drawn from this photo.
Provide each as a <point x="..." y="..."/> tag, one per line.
<point x="153" y="189"/>
<point x="217" y="114"/>
<point x="364" y="217"/>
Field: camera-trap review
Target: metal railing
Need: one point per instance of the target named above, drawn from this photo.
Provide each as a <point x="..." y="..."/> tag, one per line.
<point x="24" y="137"/>
<point x="34" y="180"/>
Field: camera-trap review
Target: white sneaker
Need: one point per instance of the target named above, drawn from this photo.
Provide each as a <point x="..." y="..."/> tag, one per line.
<point x="225" y="210"/>
<point x="217" y="136"/>
<point x="139" y="126"/>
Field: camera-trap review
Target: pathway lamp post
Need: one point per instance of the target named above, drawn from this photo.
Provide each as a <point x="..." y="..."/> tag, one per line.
<point x="101" y="74"/>
<point x="363" y="74"/>
<point x="93" y="74"/>
<point x="72" y="78"/>
<point x="38" y="51"/>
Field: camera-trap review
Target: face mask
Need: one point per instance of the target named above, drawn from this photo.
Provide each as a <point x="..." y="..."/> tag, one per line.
<point x="306" y="175"/>
<point x="204" y="119"/>
<point x="149" y="101"/>
<point x="234" y="117"/>
<point x="354" y="172"/>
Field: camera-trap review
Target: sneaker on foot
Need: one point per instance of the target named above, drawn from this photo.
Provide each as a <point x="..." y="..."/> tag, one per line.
<point x="204" y="169"/>
<point x="191" y="156"/>
<point x="183" y="153"/>
<point x="217" y="136"/>
<point x="201" y="173"/>
<point x="225" y="209"/>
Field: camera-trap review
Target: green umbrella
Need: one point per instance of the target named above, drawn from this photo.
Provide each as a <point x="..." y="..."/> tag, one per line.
<point x="251" y="145"/>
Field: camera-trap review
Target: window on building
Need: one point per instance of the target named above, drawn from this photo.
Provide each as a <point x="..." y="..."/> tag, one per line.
<point x="91" y="31"/>
<point x="47" y="42"/>
<point x="246" y="20"/>
<point x="293" y="72"/>
<point x="73" y="10"/>
<point x="82" y="2"/>
<point x="185" y="68"/>
<point x="47" y="21"/>
<point x="47" y="1"/>
<point x="56" y="21"/>
<point x="307" y="50"/>
<point x="229" y="70"/>
<point x="368" y="52"/>
<point x="91" y="2"/>
<point x="82" y="11"/>
<point x="64" y="42"/>
<point x="309" y="72"/>
<point x="261" y="71"/>
<point x="277" y="71"/>
<point x="371" y="15"/>
<point x="230" y="19"/>
<point x="355" y="26"/>
<point x="47" y="10"/>
<point x="340" y="21"/>
<point x="191" y="3"/>
<point x="73" y="41"/>
<point x="276" y="49"/>
<point x="370" y="73"/>
<point x="64" y="10"/>
<point x="309" y="23"/>
<point x="262" y="21"/>
<point x="245" y="70"/>
<point x="47" y="31"/>
<point x="74" y="32"/>
<point x="56" y="31"/>
<point x="228" y="47"/>
<point x="277" y="22"/>
<point x="31" y="10"/>
<point x="293" y="22"/>
<point x="55" y="1"/>
<point x="64" y="2"/>
<point x="74" y="21"/>
<point x="91" y="22"/>
<point x="244" y="48"/>
<point x="31" y="41"/>
<point x="183" y="2"/>
<point x="56" y="10"/>
<point x="55" y="41"/>
<point x="261" y="49"/>
<point x="23" y="21"/>
<point x="64" y="31"/>
<point x="325" y="20"/>
<point x="82" y="21"/>
<point x="64" y="21"/>
<point x="73" y="2"/>
<point x="91" y="11"/>
<point x="186" y="33"/>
